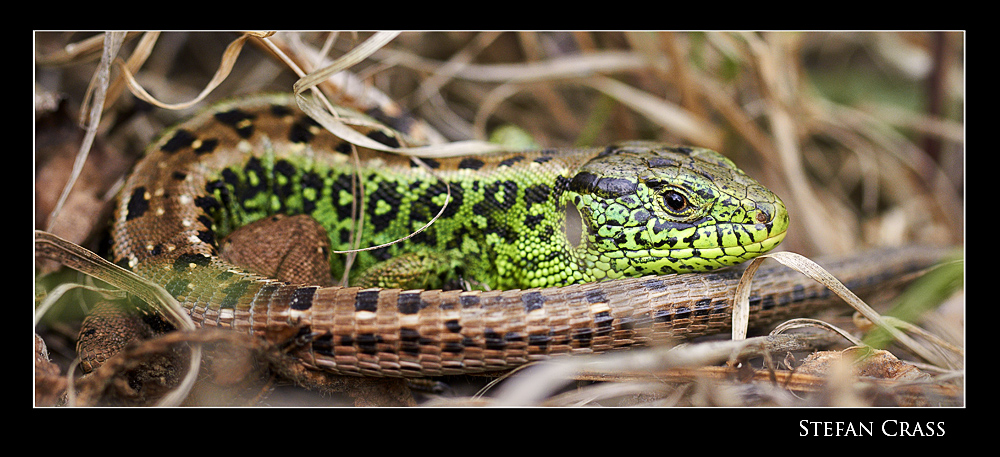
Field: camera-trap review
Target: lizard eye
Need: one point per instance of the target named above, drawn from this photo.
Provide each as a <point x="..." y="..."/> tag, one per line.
<point x="675" y="201"/>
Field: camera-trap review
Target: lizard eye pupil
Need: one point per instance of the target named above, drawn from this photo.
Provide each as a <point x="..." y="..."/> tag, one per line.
<point x="675" y="201"/>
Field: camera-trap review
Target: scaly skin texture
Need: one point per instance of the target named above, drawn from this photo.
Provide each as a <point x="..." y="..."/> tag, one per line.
<point x="646" y="208"/>
<point x="639" y="209"/>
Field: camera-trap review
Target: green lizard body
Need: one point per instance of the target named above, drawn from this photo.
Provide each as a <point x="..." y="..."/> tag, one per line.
<point x="642" y="209"/>
<point x="635" y="208"/>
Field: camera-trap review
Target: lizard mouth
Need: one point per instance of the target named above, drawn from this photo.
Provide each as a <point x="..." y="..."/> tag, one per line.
<point x="686" y="259"/>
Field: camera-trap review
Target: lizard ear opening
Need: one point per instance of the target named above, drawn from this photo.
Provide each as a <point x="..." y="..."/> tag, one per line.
<point x="573" y="227"/>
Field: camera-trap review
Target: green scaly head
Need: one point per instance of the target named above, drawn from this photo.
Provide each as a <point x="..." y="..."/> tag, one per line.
<point x="654" y="209"/>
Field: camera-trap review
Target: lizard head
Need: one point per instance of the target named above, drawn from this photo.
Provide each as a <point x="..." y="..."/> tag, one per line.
<point x="654" y="209"/>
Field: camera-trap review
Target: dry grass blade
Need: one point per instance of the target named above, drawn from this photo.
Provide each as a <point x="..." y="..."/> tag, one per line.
<point x="938" y="341"/>
<point x="536" y="383"/>
<point x="816" y="272"/>
<point x="53" y="296"/>
<point x="135" y="61"/>
<point x="225" y="67"/>
<point x="348" y="60"/>
<point x="98" y="89"/>
<point x="332" y="122"/>
<point x="556" y="68"/>
<point x="905" y="155"/>
<point x="71" y="255"/>
<point x="741" y="303"/>
<point x="80" y="259"/>
<point x="594" y="393"/>
<point x="76" y="52"/>
<point x="432" y="85"/>
<point x="805" y="322"/>
<point x="343" y="131"/>
<point x="672" y="117"/>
